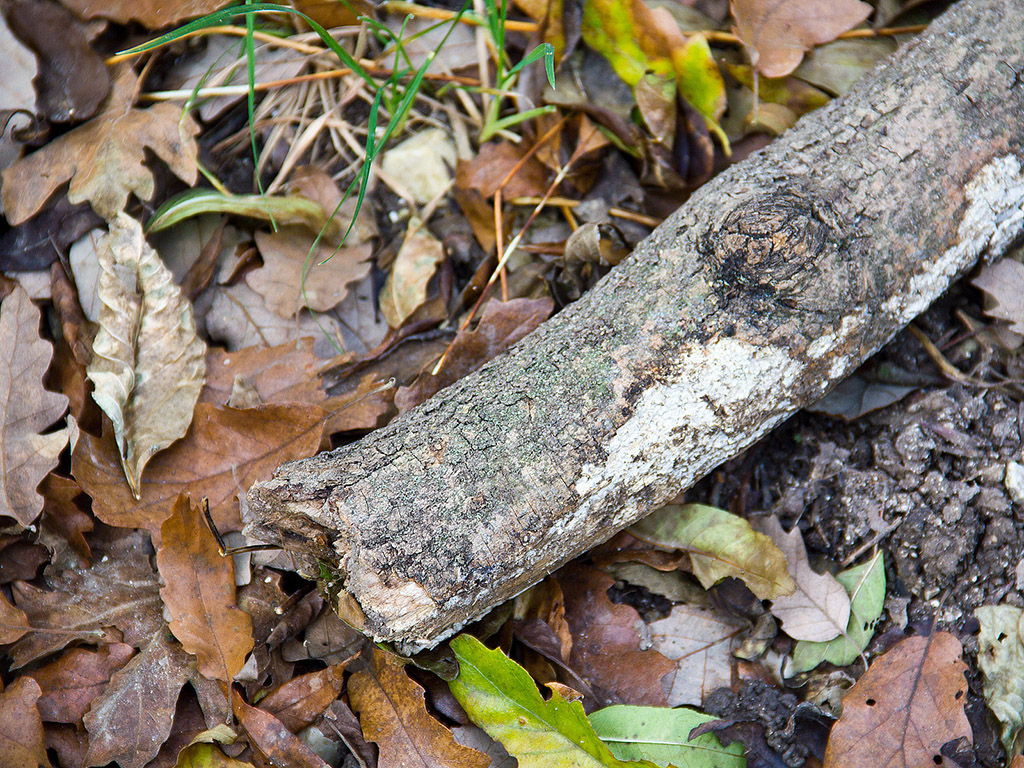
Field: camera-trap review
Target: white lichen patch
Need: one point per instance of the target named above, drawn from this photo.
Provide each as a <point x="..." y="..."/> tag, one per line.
<point x="717" y="392"/>
<point x="993" y="219"/>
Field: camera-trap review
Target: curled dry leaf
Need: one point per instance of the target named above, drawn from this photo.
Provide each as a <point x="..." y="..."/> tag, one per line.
<point x="819" y="609"/>
<point x="13" y="622"/>
<point x="296" y="275"/>
<point x="501" y="325"/>
<point x="26" y="409"/>
<point x="720" y="544"/>
<point x="269" y="736"/>
<point x="779" y="32"/>
<point x="149" y="364"/>
<point x="104" y="159"/>
<point x="406" y="286"/>
<point x="906" y="706"/>
<point x="21" y="729"/>
<point x="1003" y="284"/>
<point x="393" y="713"/>
<point x="199" y="592"/>
<point x="225" y="451"/>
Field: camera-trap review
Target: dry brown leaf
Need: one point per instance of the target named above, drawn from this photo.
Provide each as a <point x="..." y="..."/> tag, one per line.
<point x="287" y="373"/>
<point x="606" y="642"/>
<point x="269" y="736"/>
<point x="105" y="159"/>
<point x="299" y="702"/>
<point x="393" y="714"/>
<point x="13" y="622"/>
<point x="27" y="409"/>
<point x="225" y="451"/>
<point x="154" y="14"/>
<point x="906" y="706"/>
<point x="240" y="318"/>
<point x="148" y="365"/>
<point x="21" y="728"/>
<point x="292" y="278"/>
<point x="72" y="682"/>
<point x="119" y="591"/>
<point x="501" y="325"/>
<point x="492" y="165"/>
<point x="777" y="33"/>
<point x="63" y="525"/>
<point x="133" y="716"/>
<point x="698" y="641"/>
<point x="405" y="288"/>
<point x="819" y="609"/>
<point x="199" y="592"/>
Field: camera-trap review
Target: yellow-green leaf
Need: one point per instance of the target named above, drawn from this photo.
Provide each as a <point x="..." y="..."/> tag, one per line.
<point x="500" y="697"/>
<point x="720" y="545"/>
<point x="1001" y="658"/>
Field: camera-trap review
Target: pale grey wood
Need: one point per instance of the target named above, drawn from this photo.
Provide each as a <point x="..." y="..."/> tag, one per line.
<point x="777" y="279"/>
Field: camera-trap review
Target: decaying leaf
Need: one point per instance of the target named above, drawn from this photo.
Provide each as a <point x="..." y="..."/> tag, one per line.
<point x="500" y="697"/>
<point x="295" y="275"/>
<point x="606" y="641"/>
<point x="501" y="325"/>
<point x="906" y="706"/>
<point x="393" y="714"/>
<point x="154" y="15"/>
<point x="819" y="609"/>
<point x="13" y="622"/>
<point x="1003" y="284"/>
<point x="105" y="159"/>
<point x="149" y="364"/>
<point x="494" y="163"/>
<point x="1001" y="658"/>
<point x="406" y="286"/>
<point x="133" y="717"/>
<point x="73" y="681"/>
<point x="779" y="32"/>
<point x="26" y="409"/>
<point x="698" y="640"/>
<point x="865" y="584"/>
<point x="298" y="702"/>
<point x="287" y="373"/>
<point x="199" y="592"/>
<point x="269" y="736"/>
<point x="21" y="729"/>
<point x="662" y="736"/>
<point x="225" y="451"/>
<point x="720" y="545"/>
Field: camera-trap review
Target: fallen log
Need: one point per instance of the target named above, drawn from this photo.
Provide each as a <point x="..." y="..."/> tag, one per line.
<point x="770" y="285"/>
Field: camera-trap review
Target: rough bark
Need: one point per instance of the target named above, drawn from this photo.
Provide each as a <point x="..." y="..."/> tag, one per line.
<point x="777" y="279"/>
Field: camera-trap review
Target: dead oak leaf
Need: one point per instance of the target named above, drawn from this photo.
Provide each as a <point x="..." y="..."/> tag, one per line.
<point x="26" y="409"/>
<point x="286" y="373"/>
<point x="148" y="363"/>
<point x="296" y="275"/>
<point x="21" y="728"/>
<point x="299" y="702"/>
<point x="13" y="622"/>
<point x="105" y="159"/>
<point x="224" y="452"/>
<point x="777" y="33"/>
<point x="73" y="681"/>
<point x="199" y="592"/>
<point x="154" y="15"/>
<point x="268" y="735"/>
<point x="393" y="713"/>
<point x="906" y="706"/>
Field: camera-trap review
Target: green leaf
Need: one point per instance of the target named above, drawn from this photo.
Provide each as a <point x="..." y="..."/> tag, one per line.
<point x="661" y="735"/>
<point x="1001" y="658"/>
<point x="865" y="584"/>
<point x="720" y="545"/>
<point x="500" y="697"/>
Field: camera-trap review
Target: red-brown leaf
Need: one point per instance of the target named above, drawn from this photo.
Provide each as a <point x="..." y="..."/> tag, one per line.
<point x="906" y="706"/>
<point x="298" y="702"/>
<point x="21" y="728"/>
<point x="287" y="373"/>
<point x="606" y="646"/>
<point x="225" y="451"/>
<point x="199" y="593"/>
<point x="13" y="622"/>
<point x="70" y="683"/>
<point x="269" y="736"/>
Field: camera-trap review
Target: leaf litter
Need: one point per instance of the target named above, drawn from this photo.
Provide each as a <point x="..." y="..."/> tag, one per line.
<point x="301" y="333"/>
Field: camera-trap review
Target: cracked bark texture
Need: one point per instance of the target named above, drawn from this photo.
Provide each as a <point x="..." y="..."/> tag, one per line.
<point x="773" y="282"/>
